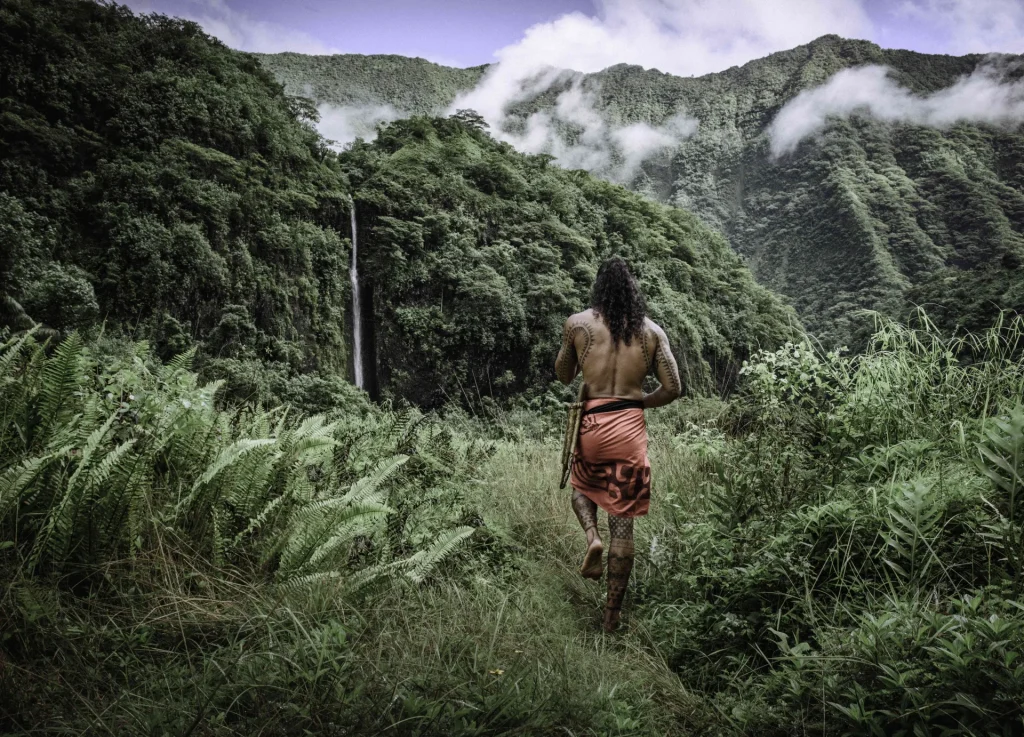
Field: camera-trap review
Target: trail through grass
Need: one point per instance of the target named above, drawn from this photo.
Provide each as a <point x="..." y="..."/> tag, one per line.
<point x="547" y="619"/>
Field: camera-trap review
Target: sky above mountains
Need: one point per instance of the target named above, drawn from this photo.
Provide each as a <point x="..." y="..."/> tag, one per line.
<point x="535" y="41"/>
<point x="679" y="36"/>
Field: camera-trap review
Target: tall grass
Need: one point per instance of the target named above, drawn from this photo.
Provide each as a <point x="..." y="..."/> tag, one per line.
<point x="850" y="560"/>
<point x="837" y="549"/>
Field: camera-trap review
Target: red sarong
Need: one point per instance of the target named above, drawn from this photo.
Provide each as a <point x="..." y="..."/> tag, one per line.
<point x="611" y="467"/>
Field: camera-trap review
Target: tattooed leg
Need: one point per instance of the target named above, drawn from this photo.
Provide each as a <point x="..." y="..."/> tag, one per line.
<point x="620" y="564"/>
<point x="586" y="513"/>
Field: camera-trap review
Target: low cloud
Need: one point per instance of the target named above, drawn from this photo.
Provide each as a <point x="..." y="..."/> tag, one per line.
<point x="684" y="37"/>
<point x="578" y="135"/>
<point x="984" y="96"/>
<point x="343" y="124"/>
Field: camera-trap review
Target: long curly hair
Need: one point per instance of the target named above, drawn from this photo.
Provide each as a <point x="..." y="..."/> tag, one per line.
<point x="617" y="299"/>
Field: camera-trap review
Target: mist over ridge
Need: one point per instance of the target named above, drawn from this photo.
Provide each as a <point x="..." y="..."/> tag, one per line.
<point x="905" y="191"/>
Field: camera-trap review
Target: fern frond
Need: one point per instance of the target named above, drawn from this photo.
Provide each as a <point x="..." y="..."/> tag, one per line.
<point x="359" y="522"/>
<point x="252" y="481"/>
<point x="257" y="522"/>
<point x="92" y="443"/>
<point x="305" y="539"/>
<point x="16" y="479"/>
<point x="229" y="456"/>
<point x="179" y="364"/>
<point x="61" y="375"/>
<point x="135" y="481"/>
<point x="382" y="572"/>
<point x="102" y="471"/>
<point x="425" y="561"/>
<point x="11" y="351"/>
<point x="381" y="473"/>
<point x="302" y="582"/>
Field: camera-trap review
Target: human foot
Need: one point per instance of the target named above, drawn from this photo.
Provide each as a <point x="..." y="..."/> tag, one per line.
<point x="592" y="567"/>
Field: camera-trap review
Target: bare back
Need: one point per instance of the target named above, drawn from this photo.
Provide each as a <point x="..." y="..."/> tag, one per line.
<point x="616" y="370"/>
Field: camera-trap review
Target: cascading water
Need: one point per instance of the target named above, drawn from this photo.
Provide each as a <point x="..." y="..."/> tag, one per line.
<point x="357" y="318"/>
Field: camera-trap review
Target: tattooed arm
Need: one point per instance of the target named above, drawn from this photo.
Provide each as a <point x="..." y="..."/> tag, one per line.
<point x="569" y="362"/>
<point x="668" y="374"/>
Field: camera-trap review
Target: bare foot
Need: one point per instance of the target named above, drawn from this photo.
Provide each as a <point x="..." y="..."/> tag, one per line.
<point x="592" y="567"/>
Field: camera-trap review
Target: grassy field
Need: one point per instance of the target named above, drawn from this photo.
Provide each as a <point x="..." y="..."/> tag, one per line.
<point x="837" y="549"/>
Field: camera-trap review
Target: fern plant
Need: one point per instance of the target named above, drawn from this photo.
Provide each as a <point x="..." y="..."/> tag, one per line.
<point x="1001" y="460"/>
<point x="103" y="458"/>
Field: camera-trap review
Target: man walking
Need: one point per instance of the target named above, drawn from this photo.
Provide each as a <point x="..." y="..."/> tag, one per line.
<point x="615" y="345"/>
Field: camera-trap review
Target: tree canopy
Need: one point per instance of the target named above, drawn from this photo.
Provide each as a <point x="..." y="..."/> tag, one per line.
<point x="164" y="186"/>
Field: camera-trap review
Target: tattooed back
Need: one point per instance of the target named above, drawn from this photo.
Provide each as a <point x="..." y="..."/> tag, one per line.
<point x="610" y="369"/>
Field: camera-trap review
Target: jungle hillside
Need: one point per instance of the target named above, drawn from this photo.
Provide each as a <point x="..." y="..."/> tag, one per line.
<point x="869" y="214"/>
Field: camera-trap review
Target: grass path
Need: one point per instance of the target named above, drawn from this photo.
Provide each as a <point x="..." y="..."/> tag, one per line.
<point x="531" y="639"/>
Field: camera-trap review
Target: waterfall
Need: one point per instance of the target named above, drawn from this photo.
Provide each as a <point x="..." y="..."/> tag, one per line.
<point x="357" y="307"/>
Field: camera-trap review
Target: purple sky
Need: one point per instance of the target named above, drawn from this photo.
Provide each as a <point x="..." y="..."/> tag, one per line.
<point x="458" y="32"/>
<point x="469" y="32"/>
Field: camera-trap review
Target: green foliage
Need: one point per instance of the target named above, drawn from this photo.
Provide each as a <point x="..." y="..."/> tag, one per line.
<point x="160" y="182"/>
<point x="195" y="568"/>
<point x="166" y="187"/>
<point x="476" y="255"/>
<point x="412" y="86"/>
<point x="107" y="456"/>
<point x="868" y="216"/>
<point x="854" y="565"/>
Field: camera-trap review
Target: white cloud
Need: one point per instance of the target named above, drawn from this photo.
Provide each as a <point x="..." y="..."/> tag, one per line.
<point x="681" y="36"/>
<point x="344" y="124"/>
<point x="684" y="37"/>
<point x="968" y="26"/>
<point x="640" y="141"/>
<point x="579" y="137"/>
<point x="237" y="29"/>
<point x="984" y="96"/>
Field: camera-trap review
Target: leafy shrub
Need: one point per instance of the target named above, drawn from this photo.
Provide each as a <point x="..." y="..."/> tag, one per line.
<point x="105" y="461"/>
<point x="853" y="556"/>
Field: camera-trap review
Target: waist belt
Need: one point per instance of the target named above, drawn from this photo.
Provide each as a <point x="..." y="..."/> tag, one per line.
<point x="615" y="406"/>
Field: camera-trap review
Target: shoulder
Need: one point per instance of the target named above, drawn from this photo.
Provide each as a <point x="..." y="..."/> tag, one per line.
<point x="580" y="318"/>
<point x="654" y="329"/>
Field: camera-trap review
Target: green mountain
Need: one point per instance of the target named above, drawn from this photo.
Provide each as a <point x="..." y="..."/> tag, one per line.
<point x="476" y="254"/>
<point x="868" y="215"/>
<point x="160" y="185"/>
<point x="413" y="86"/>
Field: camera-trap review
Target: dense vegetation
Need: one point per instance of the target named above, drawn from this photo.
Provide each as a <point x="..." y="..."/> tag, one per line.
<point x="870" y="216"/>
<point x="838" y="550"/>
<point x="476" y="255"/>
<point x="834" y="548"/>
<point x="852" y="563"/>
<point x="160" y="183"/>
<point x="412" y="86"/>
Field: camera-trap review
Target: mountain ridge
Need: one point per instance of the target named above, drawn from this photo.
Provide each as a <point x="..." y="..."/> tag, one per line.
<point x="865" y="215"/>
<point x="190" y="203"/>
